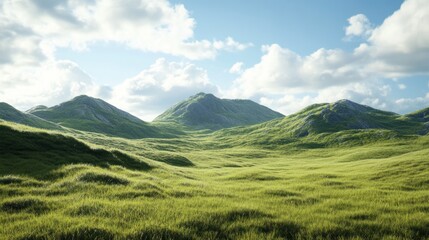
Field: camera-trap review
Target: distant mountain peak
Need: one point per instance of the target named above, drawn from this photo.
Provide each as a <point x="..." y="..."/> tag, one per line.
<point x="202" y="95"/>
<point x="36" y="108"/>
<point x="84" y="99"/>
<point x="347" y="104"/>
<point x="95" y="115"/>
<point x="206" y="111"/>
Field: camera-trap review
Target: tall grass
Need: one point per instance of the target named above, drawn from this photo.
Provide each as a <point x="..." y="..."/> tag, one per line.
<point x="193" y="189"/>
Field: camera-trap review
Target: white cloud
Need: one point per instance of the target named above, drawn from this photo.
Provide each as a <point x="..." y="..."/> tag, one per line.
<point x="373" y="94"/>
<point x="397" y="48"/>
<point x="50" y="83"/>
<point x="31" y="31"/>
<point x="236" y="68"/>
<point x="359" y="25"/>
<point x="408" y="105"/>
<point x="402" y="86"/>
<point x="160" y="86"/>
<point x="148" y="25"/>
<point x="281" y="70"/>
<point x="400" y="46"/>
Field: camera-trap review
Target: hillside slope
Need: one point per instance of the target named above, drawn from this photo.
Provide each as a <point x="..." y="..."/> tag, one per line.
<point x="328" y="119"/>
<point x="95" y="115"/>
<point x="9" y="113"/>
<point x="420" y="115"/>
<point x="38" y="153"/>
<point x="205" y="111"/>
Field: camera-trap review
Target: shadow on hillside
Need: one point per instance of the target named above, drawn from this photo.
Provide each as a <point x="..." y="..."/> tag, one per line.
<point x="170" y="159"/>
<point x="37" y="154"/>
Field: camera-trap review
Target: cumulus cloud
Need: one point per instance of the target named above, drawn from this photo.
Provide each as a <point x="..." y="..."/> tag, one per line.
<point x="148" y="25"/>
<point x="405" y="104"/>
<point x="369" y="93"/>
<point x="359" y="25"/>
<point x="399" y="47"/>
<point x="31" y="31"/>
<point x="281" y="70"/>
<point x="48" y="83"/>
<point x="160" y="86"/>
<point x="236" y="68"/>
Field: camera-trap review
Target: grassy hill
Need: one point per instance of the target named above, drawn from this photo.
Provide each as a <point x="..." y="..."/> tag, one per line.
<point x="9" y="113"/>
<point x="358" y="173"/>
<point x="55" y="187"/>
<point x="420" y="115"/>
<point x="95" y="115"/>
<point x="38" y="153"/>
<point x="342" y="121"/>
<point x="205" y="111"/>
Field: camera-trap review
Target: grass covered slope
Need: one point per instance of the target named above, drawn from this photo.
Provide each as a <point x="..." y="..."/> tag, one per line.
<point x="95" y="115"/>
<point x="37" y="154"/>
<point x="420" y="115"/>
<point x="376" y="191"/>
<point x="205" y="111"/>
<point x="9" y="113"/>
<point x="366" y="178"/>
<point x="319" y="122"/>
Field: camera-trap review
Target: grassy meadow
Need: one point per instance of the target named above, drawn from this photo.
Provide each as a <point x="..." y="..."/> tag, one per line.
<point x="202" y="186"/>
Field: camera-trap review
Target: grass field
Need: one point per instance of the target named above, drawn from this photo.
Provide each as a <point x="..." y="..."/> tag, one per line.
<point x="195" y="187"/>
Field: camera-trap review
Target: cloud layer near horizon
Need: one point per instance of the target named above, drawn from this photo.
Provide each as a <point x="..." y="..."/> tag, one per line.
<point x="399" y="47"/>
<point x="31" y="31"/>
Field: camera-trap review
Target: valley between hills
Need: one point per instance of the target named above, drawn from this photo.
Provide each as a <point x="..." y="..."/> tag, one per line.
<point x="211" y="168"/>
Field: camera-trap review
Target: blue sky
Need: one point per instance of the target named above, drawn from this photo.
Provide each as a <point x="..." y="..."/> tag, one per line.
<point x="143" y="55"/>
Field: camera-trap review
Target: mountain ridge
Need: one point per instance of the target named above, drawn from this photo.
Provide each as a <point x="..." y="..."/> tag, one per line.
<point x="206" y="111"/>
<point x="324" y="119"/>
<point x="95" y="115"/>
<point x="11" y="114"/>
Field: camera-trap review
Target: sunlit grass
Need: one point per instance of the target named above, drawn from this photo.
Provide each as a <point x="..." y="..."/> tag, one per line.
<point x="189" y="188"/>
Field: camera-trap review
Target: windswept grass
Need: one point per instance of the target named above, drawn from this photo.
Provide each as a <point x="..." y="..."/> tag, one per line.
<point x="372" y="190"/>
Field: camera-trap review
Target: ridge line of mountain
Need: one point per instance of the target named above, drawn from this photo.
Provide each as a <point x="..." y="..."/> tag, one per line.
<point x="206" y="111"/>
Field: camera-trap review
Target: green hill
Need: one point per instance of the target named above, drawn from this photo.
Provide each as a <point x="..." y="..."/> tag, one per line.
<point x="209" y="185"/>
<point x="420" y="115"/>
<point x="328" y="120"/>
<point x="95" y="115"/>
<point x="205" y="111"/>
<point x="9" y="113"/>
<point x="38" y="153"/>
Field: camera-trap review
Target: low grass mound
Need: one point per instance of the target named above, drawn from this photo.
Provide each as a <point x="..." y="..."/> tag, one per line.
<point x="37" y="154"/>
<point x="170" y="159"/>
<point x="24" y="204"/>
<point x="85" y="210"/>
<point x="102" y="178"/>
<point x="86" y="233"/>
<point x="158" y="233"/>
<point x="11" y="179"/>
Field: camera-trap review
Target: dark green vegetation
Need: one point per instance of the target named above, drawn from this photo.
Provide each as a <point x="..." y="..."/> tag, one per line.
<point x="205" y="111"/>
<point x="9" y="113"/>
<point x="95" y="115"/>
<point x="331" y="171"/>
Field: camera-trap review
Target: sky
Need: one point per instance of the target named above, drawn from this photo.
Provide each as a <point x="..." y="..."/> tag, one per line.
<point x="144" y="56"/>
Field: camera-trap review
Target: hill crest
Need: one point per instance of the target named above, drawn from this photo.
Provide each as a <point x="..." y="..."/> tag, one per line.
<point x="206" y="111"/>
<point x="95" y="115"/>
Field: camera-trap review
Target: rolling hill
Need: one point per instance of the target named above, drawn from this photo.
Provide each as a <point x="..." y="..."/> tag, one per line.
<point x="9" y="113"/>
<point x="205" y="111"/>
<point x="36" y="153"/>
<point x="420" y="115"/>
<point x="209" y="185"/>
<point x="95" y="115"/>
<point x="330" y="119"/>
